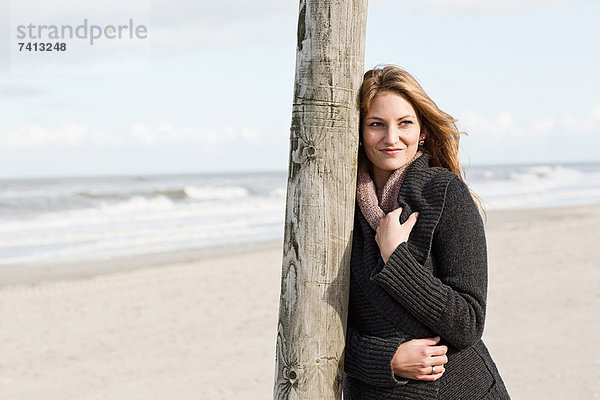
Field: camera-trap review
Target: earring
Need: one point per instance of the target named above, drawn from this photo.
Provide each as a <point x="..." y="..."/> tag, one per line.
<point x="422" y="142"/>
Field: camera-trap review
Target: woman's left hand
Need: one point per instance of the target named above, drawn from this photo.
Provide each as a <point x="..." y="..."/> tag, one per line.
<point x="390" y="232"/>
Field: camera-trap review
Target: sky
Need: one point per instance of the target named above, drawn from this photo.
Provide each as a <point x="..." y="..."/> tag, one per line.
<point x="210" y="88"/>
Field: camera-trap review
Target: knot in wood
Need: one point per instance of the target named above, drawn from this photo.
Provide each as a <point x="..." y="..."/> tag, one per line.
<point x="304" y="151"/>
<point x="309" y="152"/>
<point x="292" y="376"/>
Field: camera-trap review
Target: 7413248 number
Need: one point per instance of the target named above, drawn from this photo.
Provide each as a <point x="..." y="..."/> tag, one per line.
<point x="42" y="46"/>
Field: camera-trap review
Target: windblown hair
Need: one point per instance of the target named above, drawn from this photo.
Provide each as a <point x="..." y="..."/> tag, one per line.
<point x="441" y="133"/>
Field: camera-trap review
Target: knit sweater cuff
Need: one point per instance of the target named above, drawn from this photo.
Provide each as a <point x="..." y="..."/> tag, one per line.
<point x="415" y="287"/>
<point x="369" y="359"/>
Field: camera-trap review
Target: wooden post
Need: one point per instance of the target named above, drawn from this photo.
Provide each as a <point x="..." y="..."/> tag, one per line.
<point x="320" y="200"/>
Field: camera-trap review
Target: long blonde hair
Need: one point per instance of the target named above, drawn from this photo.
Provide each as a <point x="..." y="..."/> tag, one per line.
<point x="441" y="133"/>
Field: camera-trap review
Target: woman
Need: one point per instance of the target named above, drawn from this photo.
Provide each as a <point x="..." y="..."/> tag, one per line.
<point x="419" y="261"/>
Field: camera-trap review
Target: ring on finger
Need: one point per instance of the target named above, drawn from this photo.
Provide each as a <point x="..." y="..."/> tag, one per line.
<point x="433" y="370"/>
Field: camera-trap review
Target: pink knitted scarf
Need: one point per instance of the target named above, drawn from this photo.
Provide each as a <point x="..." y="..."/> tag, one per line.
<point x="375" y="204"/>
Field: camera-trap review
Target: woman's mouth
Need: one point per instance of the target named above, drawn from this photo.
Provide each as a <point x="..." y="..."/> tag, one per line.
<point x="391" y="152"/>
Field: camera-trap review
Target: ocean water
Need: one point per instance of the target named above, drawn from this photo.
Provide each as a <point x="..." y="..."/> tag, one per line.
<point x="70" y="219"/>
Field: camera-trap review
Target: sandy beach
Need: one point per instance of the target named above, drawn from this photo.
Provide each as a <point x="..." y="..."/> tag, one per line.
<point x="202" y="325"/>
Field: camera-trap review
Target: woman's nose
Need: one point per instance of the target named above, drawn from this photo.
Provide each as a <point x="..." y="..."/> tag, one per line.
<point x="391" y="135"/>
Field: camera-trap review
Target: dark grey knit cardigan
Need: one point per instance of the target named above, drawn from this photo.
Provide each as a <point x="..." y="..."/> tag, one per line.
<point x="434" y="284"/>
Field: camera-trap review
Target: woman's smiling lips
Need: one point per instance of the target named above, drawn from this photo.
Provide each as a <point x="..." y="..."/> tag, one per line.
<point x="391" y="152"/>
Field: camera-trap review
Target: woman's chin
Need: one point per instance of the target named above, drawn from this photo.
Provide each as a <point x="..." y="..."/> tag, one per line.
<point x="392" y="165"/>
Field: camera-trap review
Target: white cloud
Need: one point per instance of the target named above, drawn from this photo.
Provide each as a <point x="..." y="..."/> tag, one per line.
<point x="166" y="133"/>
<point x="477" y="6"/>
<point x="73" y="134"/>
<point x="14" y="90"/>
<point x="177" y="12"/>
<point x="589" y="124"/>
<point x="504" y="125"/>
<point x="69" y="11"/>
<point x="250" y="135"/>
<point x="212" y="34"/>
<point x="184" y="25"/>
<point x="69" y="134"/>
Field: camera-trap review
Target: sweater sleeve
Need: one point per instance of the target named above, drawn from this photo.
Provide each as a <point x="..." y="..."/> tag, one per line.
<point x="451" y="303"/>
<point x="369" y="358"/>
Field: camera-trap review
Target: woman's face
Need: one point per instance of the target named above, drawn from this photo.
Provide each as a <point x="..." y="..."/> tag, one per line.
<point x="390" y="134"/>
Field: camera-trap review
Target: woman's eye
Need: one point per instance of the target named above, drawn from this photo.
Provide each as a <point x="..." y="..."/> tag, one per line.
<point x="407" y="122"/>
<point x="375" y="124"/>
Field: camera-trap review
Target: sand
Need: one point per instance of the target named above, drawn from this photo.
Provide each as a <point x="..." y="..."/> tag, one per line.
<point x="202" y="325"/>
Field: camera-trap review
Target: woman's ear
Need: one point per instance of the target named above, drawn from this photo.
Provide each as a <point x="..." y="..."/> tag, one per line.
<point x="422" y="135"/>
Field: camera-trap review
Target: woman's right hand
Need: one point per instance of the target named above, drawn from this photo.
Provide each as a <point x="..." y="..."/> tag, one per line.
<point x="390" y="232"/>
<point x="414" y="359"/>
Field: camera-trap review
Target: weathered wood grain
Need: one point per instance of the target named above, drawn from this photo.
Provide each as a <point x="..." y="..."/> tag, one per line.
<point x="320" y="200"/>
